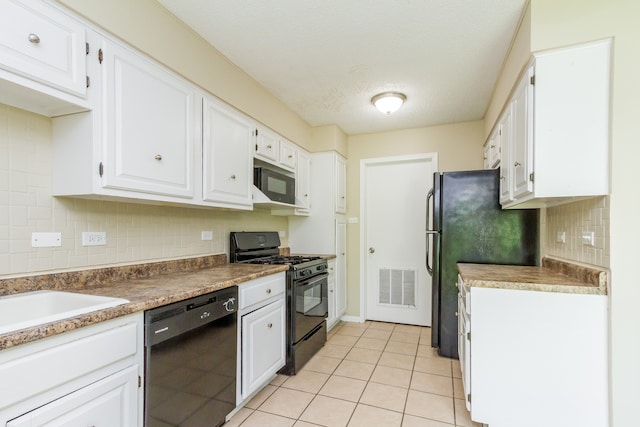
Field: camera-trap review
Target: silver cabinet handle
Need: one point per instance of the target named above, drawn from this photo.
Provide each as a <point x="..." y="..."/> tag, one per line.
<point x="269" y="147"/>
<point x="270" y="325"/>
<point x="516" y="164"/>
<point x="306" y="195"/>
<point x="33" y="38"/>
<point x="372" y="250"/>
<point x="158" y="157"/>
<point x="268" y="291"/>
<point x="233" y="176"/>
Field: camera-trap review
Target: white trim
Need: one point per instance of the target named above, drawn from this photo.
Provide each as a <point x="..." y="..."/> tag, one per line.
<point x="364" y="163"/>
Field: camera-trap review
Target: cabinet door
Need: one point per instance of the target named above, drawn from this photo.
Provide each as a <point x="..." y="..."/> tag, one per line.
<point x="522" y="137"/>
<point x="303" y="180"/>
<point x="111" y="401"/>
<point x="267" y="145"/>
<point x="288" y="155"/>
<point x="149" y="126"/>
<point x="506" y="194"/>
<point x="263" y="345"/>
<point x="332" y="317"/>
<point x="341" y="185"/>
<point x="341" y="267"/>
<point x="42" y="43"/>
<point x="227" y="158"/>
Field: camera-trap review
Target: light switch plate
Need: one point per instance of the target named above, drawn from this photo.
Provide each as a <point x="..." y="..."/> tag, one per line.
<point x="206" y="235"/>
<point x="561" y="237"/>
<point x="94" y="238"/>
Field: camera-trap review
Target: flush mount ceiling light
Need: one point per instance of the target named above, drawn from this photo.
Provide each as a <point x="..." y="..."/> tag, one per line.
<point x="388" y="102"/>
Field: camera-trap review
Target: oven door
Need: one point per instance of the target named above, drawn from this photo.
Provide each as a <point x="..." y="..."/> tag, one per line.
<point x="311" y="304"/>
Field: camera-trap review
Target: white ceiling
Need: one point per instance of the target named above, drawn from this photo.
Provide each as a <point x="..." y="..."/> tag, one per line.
<point x="325" y="59"/>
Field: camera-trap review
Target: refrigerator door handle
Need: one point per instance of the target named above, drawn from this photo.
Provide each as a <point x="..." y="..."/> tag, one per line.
<point x="429" y="232"/>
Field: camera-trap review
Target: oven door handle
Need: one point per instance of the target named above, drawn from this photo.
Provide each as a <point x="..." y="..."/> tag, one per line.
<point x="312" y="281"/>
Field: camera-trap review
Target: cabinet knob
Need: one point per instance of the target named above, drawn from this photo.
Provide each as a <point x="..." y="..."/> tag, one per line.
<point x="290" y="156"/>
<point x="493" y="146"/>
<point x="516" y="164"/>
<point x="268" y="291"/>
<point x="158" y="157"/>
<point x="269" y="325"/>
<point x="269" y="147"/>
<point x="330" y="290"/>
<point x="501" y="176"/>
<point x="233" y="176"/>
<point x="372" y="250"/>
<point x="33" y="38"/>
<point x="306" y="195"/>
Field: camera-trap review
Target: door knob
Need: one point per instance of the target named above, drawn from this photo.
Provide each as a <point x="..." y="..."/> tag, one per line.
<point x="372" y="250"/>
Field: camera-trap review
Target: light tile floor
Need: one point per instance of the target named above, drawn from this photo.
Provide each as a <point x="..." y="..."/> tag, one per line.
<point x="367" y="374"/>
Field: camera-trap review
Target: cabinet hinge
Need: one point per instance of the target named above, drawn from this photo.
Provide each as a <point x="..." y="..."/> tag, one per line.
<point x="533" y="79"/>
<point x="531" y="176"/>
<point x="86" y="47"/>
<point x="139" y="381"/>
<point x="100" y="169"/>
<point x="469" y="397"/>
<point x="256" y="132"/>
<point x="88" y="81"/>
<point x="469" y="336"/>
<point x="100" y="56"/>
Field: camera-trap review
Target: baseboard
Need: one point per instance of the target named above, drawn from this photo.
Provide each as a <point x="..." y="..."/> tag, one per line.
<point x="355" y="319"/>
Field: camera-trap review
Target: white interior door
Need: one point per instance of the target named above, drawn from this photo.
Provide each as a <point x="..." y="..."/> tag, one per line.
<point x="396" y="285"/>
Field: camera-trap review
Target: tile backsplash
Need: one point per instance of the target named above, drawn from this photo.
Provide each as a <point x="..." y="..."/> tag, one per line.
<point x="591" y="215"/>
<point x="135" y="232"/>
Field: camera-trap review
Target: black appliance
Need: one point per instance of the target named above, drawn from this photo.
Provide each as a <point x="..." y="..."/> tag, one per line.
<point x="190" y="361"/>
<point x="307" y="293"/>
<point x="469" y="225"/>
<point x="275" y="185"/>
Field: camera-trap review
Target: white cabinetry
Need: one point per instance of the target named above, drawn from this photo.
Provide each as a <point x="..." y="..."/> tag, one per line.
<point x="100" y="386"/>
<point x="534" y="358"/>
<point x="227" y="159"/>
<point x="324" y="230"/>
<point x="149" y="128"/>
<point x="558" y="145"/>
<point x="303" y="182"/>
<point x="41" y="48"/>
<point x="491" y="150"/>
<point x="267" y="145"/>
<point x="261" y="333"/>
<point x="141" y="141"/>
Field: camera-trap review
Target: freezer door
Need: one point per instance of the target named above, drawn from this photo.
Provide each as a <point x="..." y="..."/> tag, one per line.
<point x="434" y="232"/>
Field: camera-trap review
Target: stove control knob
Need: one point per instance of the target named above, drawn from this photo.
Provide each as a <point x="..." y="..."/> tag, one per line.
<point x="303" y="273"/>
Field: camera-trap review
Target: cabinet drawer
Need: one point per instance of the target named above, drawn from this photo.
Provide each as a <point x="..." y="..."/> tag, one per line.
<point x="49" y="367"/>
<point x="39" y="42"/>
<point x="259" y="290"/>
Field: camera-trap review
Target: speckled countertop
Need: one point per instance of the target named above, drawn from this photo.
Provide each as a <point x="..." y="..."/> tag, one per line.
<point x="552" y="276"/>
<point x="146" y="286"/>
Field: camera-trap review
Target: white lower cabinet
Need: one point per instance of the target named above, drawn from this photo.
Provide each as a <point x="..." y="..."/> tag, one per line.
<point x="532" y="358"/>
<point x="89" y="376"/>
<point x="111" y="401"/>
<point x="261" y="333"/>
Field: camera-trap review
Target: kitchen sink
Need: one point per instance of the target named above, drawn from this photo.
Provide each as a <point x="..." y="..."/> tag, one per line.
<point x="29" y="309"/>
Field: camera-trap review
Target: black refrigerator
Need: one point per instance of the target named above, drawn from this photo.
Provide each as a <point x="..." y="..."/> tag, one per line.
<point x="467" y="224"/>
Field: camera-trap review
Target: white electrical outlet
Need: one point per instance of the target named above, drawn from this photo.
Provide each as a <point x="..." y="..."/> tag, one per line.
<point x="282" y="233"/>
<point x="206" y="235"/>
<point x="561" y="237"/>
<point x="94" y="238"/>
<point x="352" y="220"/>
<point x="46" y="240"/>
<point x="588" y="238"/>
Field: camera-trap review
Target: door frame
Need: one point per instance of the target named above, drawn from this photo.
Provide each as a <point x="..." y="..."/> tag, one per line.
<point x="364" y="163"/>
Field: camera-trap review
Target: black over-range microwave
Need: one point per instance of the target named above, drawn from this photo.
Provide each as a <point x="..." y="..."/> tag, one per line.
<point x="276" y="186"/>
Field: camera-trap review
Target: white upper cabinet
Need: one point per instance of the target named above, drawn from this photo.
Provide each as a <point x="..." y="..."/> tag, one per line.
<point x="227" y="156"/>
<point x="288" y="155"/>
<point x="149" y="127"/>
<point x="267" y="145"/>
<point x="42" y="58"/>
<point x="303" y="182"/>
<point x="557" y="148"/>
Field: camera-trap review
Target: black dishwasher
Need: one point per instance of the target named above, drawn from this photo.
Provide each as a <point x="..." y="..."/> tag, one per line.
<point x="190" y="361"/>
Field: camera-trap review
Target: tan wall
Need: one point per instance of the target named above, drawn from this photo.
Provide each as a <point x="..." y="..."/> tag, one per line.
<point x="149" y="27"/>
<point x="555" y="24"/>
<point x="135" y="232"/>
<point x="329" y="138"/>
<point x="519" y="54"/>
<point x="459" y="147"/>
